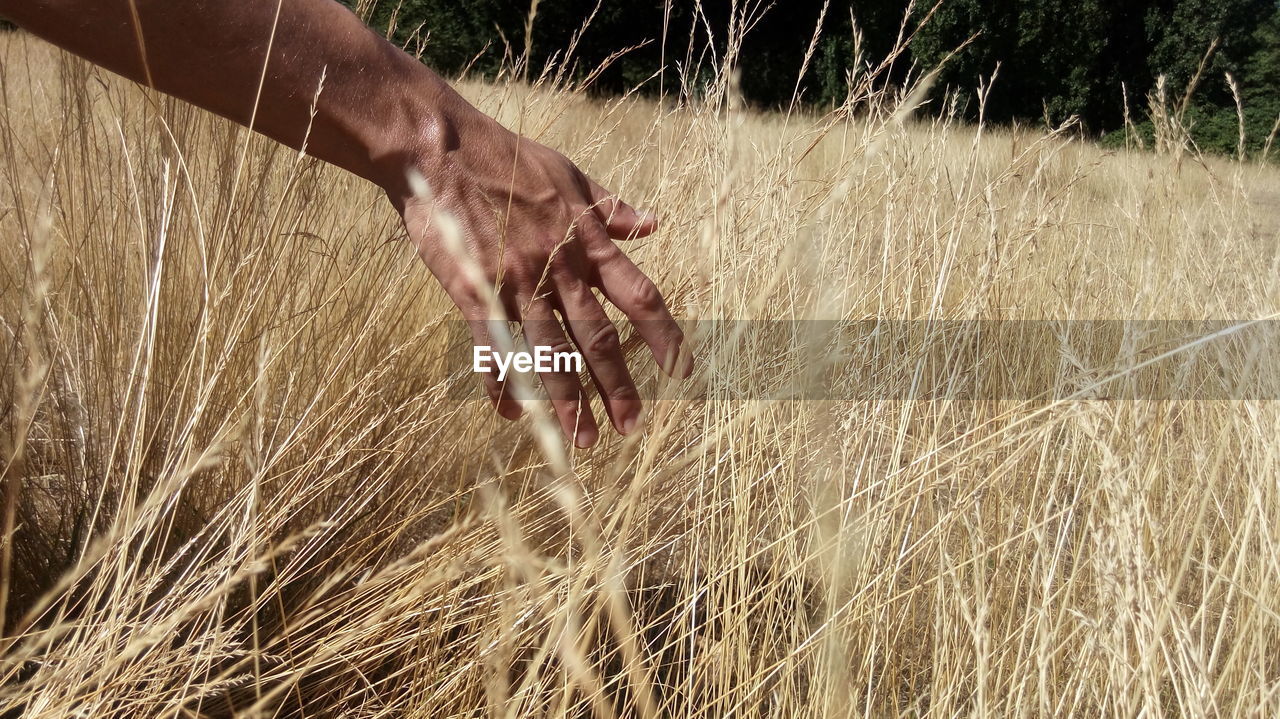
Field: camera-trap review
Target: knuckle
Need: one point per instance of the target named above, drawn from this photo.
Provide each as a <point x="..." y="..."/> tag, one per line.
<point x="602" y="253"/>
<point x="602" y="340"/>
<point x="623" y="392"/>
<point x="562" y="267"/>
<point x="588" y="229"/>
<point x="570" y="412"/>
<point x="557" y="388"/>
<point x="560" y="345"/>
<point x="465" y="293"/>
<point x="645" y="294"/>
<point x="563" y="213"/>
<point x="566" y="400"/>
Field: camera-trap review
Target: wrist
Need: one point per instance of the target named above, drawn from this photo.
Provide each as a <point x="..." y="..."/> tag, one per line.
<point x="430" y="129"/>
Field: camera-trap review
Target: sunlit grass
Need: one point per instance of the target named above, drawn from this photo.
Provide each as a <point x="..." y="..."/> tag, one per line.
<point x="244" y="481"/>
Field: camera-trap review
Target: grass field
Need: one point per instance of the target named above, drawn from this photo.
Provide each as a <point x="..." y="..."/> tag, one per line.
<point x="239" y="480"/>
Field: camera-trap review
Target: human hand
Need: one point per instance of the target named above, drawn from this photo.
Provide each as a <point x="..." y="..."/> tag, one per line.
<point x="541" y="230"/>
<point x="544" y="235"/>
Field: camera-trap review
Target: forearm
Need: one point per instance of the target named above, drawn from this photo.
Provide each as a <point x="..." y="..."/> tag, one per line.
<point x="379" y="112"/>
<point x="543" y="232"/>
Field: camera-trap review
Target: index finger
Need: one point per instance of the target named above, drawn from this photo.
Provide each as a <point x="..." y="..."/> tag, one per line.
<point x="620" y="220"/>
<point x="631" y="291"/>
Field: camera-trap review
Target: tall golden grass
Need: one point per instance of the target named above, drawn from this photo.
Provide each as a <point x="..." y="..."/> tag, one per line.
<point x="238" y="479"/>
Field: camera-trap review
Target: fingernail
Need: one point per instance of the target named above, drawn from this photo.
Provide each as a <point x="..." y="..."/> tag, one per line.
<point x="629" y="424"/>
<point x="586" y="438"/>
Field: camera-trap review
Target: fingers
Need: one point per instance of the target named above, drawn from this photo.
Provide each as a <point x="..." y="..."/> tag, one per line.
<point x="638" y="297"/>
<point x="542" y="329"/>
<point x="620" y="220"/>
<point x="506" y="405"/>
<point x="597" y="339"/>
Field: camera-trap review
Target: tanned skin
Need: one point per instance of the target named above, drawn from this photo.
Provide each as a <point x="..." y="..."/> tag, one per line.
<point x="532" y="219"/>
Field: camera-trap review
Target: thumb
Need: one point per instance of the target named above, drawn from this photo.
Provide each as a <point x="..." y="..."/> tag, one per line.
<point x="621" y="221"/>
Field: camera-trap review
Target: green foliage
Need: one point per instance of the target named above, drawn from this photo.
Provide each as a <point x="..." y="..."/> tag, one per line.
<point x="1058" y="59"/>
<point x="1063" y="59"/>
<point x="450" y="35"/>
<point x="1250" y="52"/>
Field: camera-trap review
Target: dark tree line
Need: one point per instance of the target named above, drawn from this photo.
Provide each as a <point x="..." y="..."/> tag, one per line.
<point x="1057" y="58"/>
<point x="1064" y="58"/>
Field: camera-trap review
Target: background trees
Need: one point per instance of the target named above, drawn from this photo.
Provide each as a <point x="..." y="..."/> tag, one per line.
<point x="1058" y="58"/>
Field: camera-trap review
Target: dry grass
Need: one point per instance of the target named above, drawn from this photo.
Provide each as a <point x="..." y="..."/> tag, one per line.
<point x="242" y="485"/>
